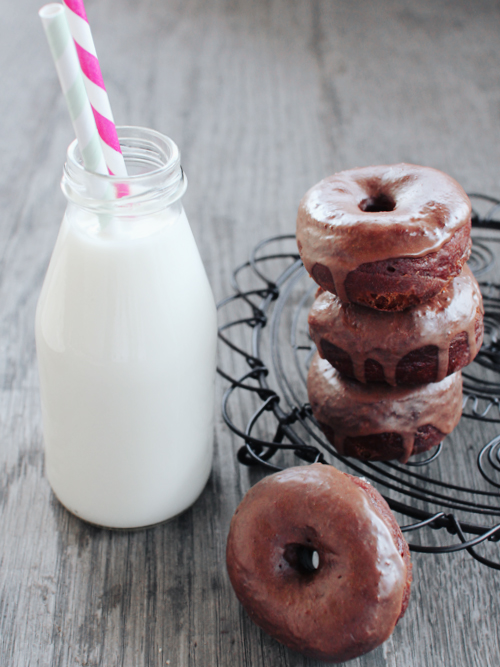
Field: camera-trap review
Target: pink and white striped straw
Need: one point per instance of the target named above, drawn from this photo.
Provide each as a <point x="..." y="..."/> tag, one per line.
<point x="94" y="84"/>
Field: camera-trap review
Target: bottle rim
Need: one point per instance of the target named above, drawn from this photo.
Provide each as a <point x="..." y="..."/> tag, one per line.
<point x="156" y="178"/>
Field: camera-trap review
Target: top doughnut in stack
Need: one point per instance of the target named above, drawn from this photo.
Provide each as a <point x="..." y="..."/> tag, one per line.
<point x="397" y="309"/>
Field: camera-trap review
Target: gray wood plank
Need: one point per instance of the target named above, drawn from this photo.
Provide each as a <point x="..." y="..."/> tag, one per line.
<point x="264" y="99"/>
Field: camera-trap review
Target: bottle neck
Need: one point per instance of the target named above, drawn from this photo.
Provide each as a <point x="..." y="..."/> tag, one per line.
<point x="155" y="178"/>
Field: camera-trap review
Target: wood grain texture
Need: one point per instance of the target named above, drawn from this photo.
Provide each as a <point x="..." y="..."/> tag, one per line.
<point x="264" y="98"/>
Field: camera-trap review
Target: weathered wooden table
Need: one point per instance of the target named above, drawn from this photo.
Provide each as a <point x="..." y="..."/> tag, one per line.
<point x="264" y="98"/>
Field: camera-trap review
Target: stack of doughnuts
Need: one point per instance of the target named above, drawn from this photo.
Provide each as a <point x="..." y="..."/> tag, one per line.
<point x="397" y="315"/>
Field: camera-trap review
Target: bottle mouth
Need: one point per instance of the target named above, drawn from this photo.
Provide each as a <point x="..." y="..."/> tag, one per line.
<point x="155" y="176"/>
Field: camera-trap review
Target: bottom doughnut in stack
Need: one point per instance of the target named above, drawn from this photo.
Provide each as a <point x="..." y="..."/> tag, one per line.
<point x="378" y="422"/>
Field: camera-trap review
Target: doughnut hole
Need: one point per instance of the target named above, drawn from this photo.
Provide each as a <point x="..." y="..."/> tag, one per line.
<point x="418" y="366"/>
<point x="303" y="558"/>
<point x="378" y="203"/>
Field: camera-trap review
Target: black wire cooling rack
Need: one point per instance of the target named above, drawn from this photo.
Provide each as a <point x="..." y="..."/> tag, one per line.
<point x="265" y="328"/>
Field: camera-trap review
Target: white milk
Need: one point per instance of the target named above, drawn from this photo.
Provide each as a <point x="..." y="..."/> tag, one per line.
<point x="126" y="338"/>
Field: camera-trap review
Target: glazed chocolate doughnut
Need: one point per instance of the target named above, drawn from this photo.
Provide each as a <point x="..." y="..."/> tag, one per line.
<point x="377" y="422"/>
<point x="415" y="346"/>
<point x="348" y="601"/>
<point x="387" y="237"/>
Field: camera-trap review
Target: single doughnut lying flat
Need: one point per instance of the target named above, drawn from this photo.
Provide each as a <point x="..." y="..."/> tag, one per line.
<point x="351" y="602"/>
<point x="378" y="422"/>
<point x="415" y="346"/>
<point x="388" y="237"/>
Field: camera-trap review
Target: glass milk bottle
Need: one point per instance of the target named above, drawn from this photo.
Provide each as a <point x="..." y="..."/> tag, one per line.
<point x="126" y="338"/>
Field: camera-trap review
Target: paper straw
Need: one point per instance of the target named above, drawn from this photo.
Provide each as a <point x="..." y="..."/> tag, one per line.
<point x="70" y="77"/>
<point x="94" y="84"/>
